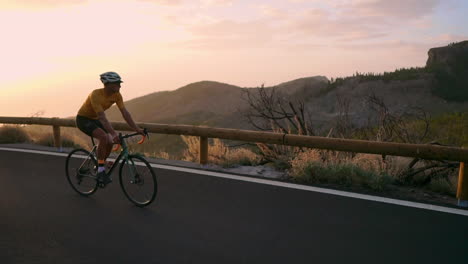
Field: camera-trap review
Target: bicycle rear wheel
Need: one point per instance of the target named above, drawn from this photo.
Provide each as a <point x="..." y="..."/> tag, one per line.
<point x="81" y="167"/>
<point x="138" y="180"/>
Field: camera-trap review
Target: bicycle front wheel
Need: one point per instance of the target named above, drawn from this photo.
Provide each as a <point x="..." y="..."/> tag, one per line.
<point x="138" y="180"/>
<point x="81" y="167"/>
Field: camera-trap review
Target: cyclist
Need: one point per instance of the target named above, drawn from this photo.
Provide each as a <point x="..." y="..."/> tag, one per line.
<point x="93" y="122"/>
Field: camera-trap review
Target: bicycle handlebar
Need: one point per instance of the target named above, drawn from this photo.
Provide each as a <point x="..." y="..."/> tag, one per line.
<point x="122" y="137"/>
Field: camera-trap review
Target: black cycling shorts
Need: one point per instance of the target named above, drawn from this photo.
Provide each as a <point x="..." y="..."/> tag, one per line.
<point x="88" y="125"/>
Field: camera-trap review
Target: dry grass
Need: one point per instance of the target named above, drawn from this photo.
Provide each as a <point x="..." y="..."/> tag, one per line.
<point x="13" y="134"/>
<point x="71" y="137"/>
<point x="369" y="162"/>
<point x="443" y="186"/>
<point x="42" y="135"/>
<point x="159" y="155"/>
<point x="321" y="166"/>
<point x="367" y="170"/>
<point x="219" y="153"/>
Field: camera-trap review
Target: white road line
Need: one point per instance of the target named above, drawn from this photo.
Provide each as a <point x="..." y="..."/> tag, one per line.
<point x="35" y="151"/>
<point x="281" y="184"/>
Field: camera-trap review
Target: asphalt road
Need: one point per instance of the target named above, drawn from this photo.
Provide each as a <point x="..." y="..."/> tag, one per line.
<point x="202" y="219"/>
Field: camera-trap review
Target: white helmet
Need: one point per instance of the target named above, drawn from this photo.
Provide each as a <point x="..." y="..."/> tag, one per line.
<point x="110" y="77"/>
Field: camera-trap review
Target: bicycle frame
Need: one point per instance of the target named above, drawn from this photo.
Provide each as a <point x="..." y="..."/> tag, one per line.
<point x="123" y="155"/>
<point x="128" y="177"/>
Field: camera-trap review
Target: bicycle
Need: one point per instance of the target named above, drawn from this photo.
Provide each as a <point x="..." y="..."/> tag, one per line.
<point x="81" y="174"/>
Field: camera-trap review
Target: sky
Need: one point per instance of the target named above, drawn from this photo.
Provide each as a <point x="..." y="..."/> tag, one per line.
<point x="53" y="51"/>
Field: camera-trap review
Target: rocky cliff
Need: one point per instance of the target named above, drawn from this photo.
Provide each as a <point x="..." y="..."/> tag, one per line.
<point x="447" y="55"/>
<point x="449" y="66"/>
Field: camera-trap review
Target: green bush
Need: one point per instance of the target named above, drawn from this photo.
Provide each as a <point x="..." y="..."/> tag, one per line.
<point x="441" y="185"/>
<point x="343" y="174"/>
<point x="447" y="129"/>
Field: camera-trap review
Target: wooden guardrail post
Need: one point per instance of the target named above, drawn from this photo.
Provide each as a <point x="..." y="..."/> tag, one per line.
<point x="57" y="140"/>
<point x="203" y="150"/>
<point x="462" y="188"/>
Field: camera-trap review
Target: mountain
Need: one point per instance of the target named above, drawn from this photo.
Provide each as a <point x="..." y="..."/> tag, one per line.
<point x="219" y="104"/>
<point x="310" y="86"/>
<point x="201" y="103"/>
<point x="206" y="103"/>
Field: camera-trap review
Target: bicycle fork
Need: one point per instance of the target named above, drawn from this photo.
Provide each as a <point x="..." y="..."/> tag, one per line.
<point x="132" y="170"/>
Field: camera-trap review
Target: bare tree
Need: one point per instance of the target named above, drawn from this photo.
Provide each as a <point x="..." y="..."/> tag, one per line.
<point x="396" y="126"/>
<point x="343" y="125"/>
<point x="401" y="127"/>
<point x="272" y="111"/>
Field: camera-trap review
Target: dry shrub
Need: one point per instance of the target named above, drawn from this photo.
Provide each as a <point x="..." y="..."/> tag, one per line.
<point x="302" y="160"/>
<point x="370" y="162"/>
<point x="66" y="140"/>
<point x="240" y="156"/>
<point x="279" y="155"/>
<point x="159" y="155"/>
<point x="391" y="165"/>
<point x="193" y="148"/>
<point x="70" y="137"/>
<point x="345" y="174"/>
<point x="163" y="155"/>
<point x="443" y="186"/>
<point x="13" y="134"/>
<point x="219" y="153"/>
<point x="323" y="166"/>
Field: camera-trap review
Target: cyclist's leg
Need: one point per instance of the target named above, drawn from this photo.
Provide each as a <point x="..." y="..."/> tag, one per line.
<point x="109" y="146"/>
<point x="103" y="144"/>
<point x="110" y="140"/>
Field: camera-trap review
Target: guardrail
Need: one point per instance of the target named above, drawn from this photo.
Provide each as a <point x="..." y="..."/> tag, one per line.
<point x="429" y="152"/>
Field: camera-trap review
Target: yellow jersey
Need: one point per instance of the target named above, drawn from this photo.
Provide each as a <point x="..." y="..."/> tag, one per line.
<point x="97" y="101"/>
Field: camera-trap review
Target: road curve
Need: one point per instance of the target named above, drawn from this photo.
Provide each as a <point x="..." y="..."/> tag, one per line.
<point x="201" y="219"/>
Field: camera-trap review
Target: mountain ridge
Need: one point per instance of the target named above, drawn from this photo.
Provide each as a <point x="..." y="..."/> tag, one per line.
<point x="214" y="103"/>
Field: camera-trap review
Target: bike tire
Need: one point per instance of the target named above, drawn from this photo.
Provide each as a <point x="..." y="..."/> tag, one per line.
<point x="145" y="177"/>
<point x="81" y="158"/>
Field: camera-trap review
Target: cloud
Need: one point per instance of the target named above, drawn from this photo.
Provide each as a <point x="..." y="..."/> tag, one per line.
<point x="230" y="28"/>
<point x="320" y="23"/>
<point x="228" y="34"/>
<point x="217" y="2"/>
<point x="444" y="39"/>
<point x="186" y="2"/>
<point x="363" y="19"/>
<point x="273" y="12"/>
<point x="39" y="3"/>
<point x="165" y="2"/>
<point x="305" y="23"/>
<point x="406" y="9"/>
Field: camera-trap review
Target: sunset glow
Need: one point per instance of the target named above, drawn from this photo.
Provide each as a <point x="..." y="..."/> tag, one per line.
<point x="52" y="52"/>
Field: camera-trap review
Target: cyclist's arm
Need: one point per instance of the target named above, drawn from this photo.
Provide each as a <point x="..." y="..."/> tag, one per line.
<point x="128" y="118"/>
<point x="103" y="119"/>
